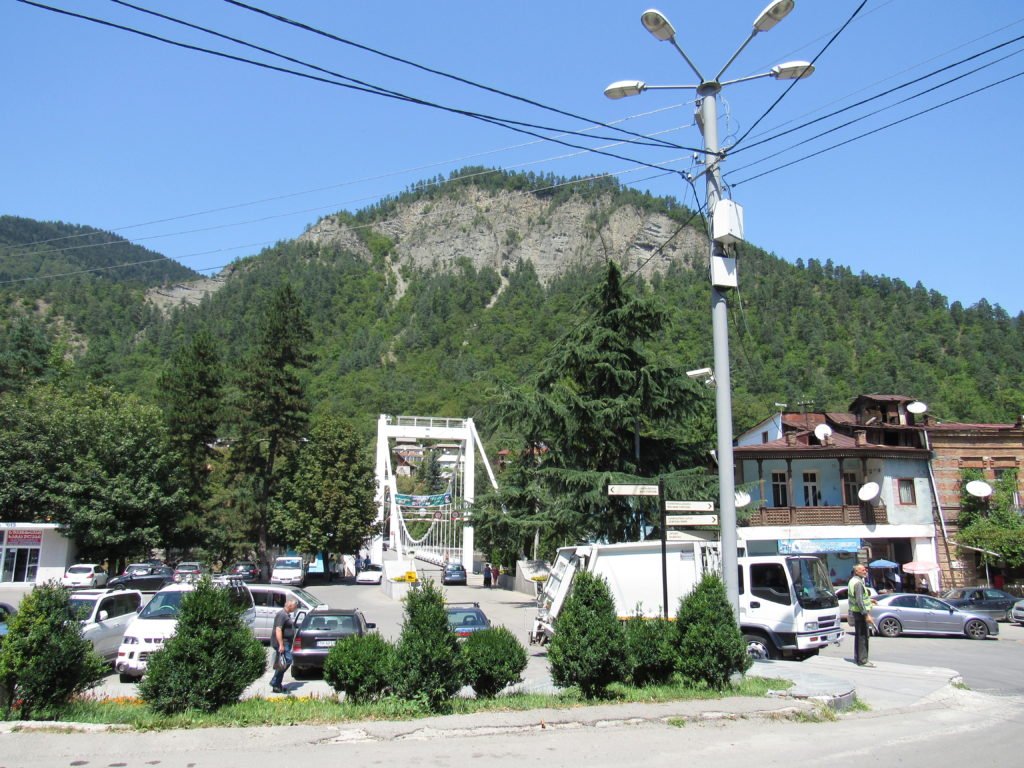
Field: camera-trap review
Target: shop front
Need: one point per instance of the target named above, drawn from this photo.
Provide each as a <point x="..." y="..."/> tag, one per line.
<point x="31" y="553"/>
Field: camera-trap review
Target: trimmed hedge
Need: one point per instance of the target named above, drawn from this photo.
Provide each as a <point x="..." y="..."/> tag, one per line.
<point x="493" y="659"/>
<point x="361" y="666"/>
<point x="711" y="647"/>
<point x="428" y="667"/>
<point x="651" y="649"/>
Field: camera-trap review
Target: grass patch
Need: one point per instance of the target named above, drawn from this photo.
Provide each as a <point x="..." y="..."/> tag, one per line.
<point x="295" y="710"/>
<point x="857" y="706"/>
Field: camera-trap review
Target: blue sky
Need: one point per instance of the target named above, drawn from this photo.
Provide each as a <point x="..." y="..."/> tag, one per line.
<point x="106" y="128"/>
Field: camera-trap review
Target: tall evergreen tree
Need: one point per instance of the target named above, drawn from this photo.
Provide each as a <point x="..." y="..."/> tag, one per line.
<point x="271" y="408"/>
<point x="191" y="390"/>
<point x="607" y="408"/>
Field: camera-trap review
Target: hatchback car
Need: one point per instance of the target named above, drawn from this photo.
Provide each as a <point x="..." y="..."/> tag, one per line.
<point x="144" y="577"/>
<point x="904" y="614"/>
<point x="159" y="619"/>
<point x="319" y="632"/>
<point x="466" y="618"/>
<point x="270" y="599"/>
<point x="370" y="574"/>
<point x="983" y="600"/>
<point x="454" y="573"/>
<point x="189" y="571"/>
<point x="1017" y="612"/>
<point x="246" y="570"/>
<point x="105" y="615"/>
<point x="85" y="575"/>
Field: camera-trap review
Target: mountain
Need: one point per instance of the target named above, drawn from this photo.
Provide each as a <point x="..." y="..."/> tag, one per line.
<point x="427" y="302"/>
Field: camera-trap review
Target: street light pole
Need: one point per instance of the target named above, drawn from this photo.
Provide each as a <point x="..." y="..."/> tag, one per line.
<point x="722" y="268"/>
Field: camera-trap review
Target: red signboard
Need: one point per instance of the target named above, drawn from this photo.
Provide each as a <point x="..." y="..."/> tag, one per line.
<point x="16" y="538"/>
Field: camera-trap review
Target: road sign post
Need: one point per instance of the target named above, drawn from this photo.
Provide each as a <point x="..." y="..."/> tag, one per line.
<point x="664" y="547"/>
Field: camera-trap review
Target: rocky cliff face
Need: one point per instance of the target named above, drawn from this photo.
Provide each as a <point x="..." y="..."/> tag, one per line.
<point x="497" y="229"/>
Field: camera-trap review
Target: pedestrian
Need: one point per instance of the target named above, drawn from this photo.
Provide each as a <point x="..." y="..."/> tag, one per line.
<point x="487" y="575"/>
<point x="860" y="614"/>
<point x="282" y="636"/>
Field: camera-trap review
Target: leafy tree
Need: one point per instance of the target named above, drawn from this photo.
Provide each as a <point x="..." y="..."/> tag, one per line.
<point x="271" y="407"/>
<point x="25" y="354"/>
<point x="44" y="660"/>
<point x="586" y="650"/>
<point x="607" y="408"/>
<point x="191" y="389"/>
<point x="428" y="667"/>
<point x="327" y="503"/>
<point x="711" y="647"/>
<point x="651" y="649"/>
<point x="429" y="478"/>
<point x="993" y="526"/>
<point x="211" y="659"/>
<point x="96" y="462"/>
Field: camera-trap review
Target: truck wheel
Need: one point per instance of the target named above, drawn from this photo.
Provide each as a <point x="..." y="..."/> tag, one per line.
<point x="759" y="647"/>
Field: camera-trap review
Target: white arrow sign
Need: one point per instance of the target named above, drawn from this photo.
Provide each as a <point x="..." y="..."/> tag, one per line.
<point x="689" y="506"/>
<point x="691" y="519"/>
<point x="632" y="490"/>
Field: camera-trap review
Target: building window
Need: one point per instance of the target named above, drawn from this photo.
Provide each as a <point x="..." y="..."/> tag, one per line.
<point x="780" y="490"/>
<point x="906" y="488"/>
<point x="812" y="497"/>
<point x="850" y="488"/>
<point x="764" y="437"/>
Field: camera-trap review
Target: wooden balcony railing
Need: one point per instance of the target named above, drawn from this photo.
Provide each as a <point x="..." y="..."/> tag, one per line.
<point x="864" y="514"/>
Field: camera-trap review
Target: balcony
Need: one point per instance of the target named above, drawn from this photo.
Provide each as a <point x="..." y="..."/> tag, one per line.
<point x="865" y="514"/>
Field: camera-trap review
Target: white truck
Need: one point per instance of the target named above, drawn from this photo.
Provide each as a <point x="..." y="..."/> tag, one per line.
<point x="787" y="606"/>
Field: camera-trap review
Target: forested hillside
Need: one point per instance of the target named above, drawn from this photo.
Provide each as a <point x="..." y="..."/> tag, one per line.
<point x="396" y="333"/>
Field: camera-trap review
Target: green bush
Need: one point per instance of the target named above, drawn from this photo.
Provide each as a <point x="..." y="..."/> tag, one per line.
<point x="44" y="660"/>
<point x="492" y="659"/>
<point x="711" y="647"/>
<point x="211" y="659"/>
<point x="587" y="648"/>
<point x="651" y="650"/>
<point x="427" y="663"/>
<point x="361" y="666"/>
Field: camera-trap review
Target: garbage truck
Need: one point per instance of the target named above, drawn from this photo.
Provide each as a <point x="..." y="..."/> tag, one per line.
<point x="787" y="607"/>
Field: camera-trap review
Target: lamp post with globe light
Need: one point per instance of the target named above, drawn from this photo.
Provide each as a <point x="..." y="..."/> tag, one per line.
<point x="727" y="227"/>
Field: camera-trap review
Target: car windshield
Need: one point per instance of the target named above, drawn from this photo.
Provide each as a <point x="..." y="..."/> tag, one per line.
<point x="465" y="617"/>
<point x="288" y="562"/>
<point x="164" y="605"/>
<point x="81" y="607"/>
<point x="190" y="567"/>
<point x="311" y="600"/>
<point x="80" y="569"/>
<point x="372" y="567"/>
<point x="811" y="581"/>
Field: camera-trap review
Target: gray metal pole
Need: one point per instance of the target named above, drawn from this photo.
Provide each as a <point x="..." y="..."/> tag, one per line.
<point x="720" y="338"/>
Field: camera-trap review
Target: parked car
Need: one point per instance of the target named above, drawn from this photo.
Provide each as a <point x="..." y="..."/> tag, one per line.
<point x="105" y="615"/>
<point x="189" y="571"/>
<point x="983" y="600"/>
<point x="288" y="570"/>
<point x="269" y="599"/>
<point x="143" y="577"/>
<point x="246" y="570"/>
<point x="844" y="600"/>
<point x="6" y="612"/>
<point x="319" y="632"/>
<point x="86" y="575"/>
<point x="1017" y="612"/>
<point x="454" y="573"/>
<point x="158" y="621"/>
<point x="904" y="614"/>
<point x="370" y="574"/>
<point x="466" y="618"/>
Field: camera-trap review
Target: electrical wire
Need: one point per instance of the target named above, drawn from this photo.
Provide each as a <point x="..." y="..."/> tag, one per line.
<point x="775" y="103"/>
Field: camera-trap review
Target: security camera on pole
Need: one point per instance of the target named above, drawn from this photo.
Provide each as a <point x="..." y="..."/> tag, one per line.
<point x="727" y="229"/>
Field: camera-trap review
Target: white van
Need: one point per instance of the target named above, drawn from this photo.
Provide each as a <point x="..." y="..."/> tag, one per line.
<point x="158" y="621"/>
<point x="290" y="570"/>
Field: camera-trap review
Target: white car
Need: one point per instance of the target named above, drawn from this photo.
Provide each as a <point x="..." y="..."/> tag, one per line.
<point x="158" y="621"/>
<point x="288" y="570"/>
<point x="105" y="615"/>
<point x="844" y="601"/>
<point x="88" y="575"/>
<point x="370" y="574"/>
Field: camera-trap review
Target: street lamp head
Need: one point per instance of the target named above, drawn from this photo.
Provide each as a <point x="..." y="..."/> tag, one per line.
<point x="657" y="24"/>
<point x="776" y="11"/>
<point x="792" y="70"/>
<point x="622" y="88"/>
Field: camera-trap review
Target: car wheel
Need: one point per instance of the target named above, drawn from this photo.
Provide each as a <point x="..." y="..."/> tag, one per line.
<point x="889" y="627"/>
<point x="1009" y="616"/>
<point x="124" y="678"/>
<point x="976" y="629"/>
<point x="760" y="648"/>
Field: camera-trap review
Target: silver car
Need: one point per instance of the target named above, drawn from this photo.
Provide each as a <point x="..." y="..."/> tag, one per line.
<point x="105" y="615"/>
<point x="1017" y="612"/>
<point x="905" y="614"/>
